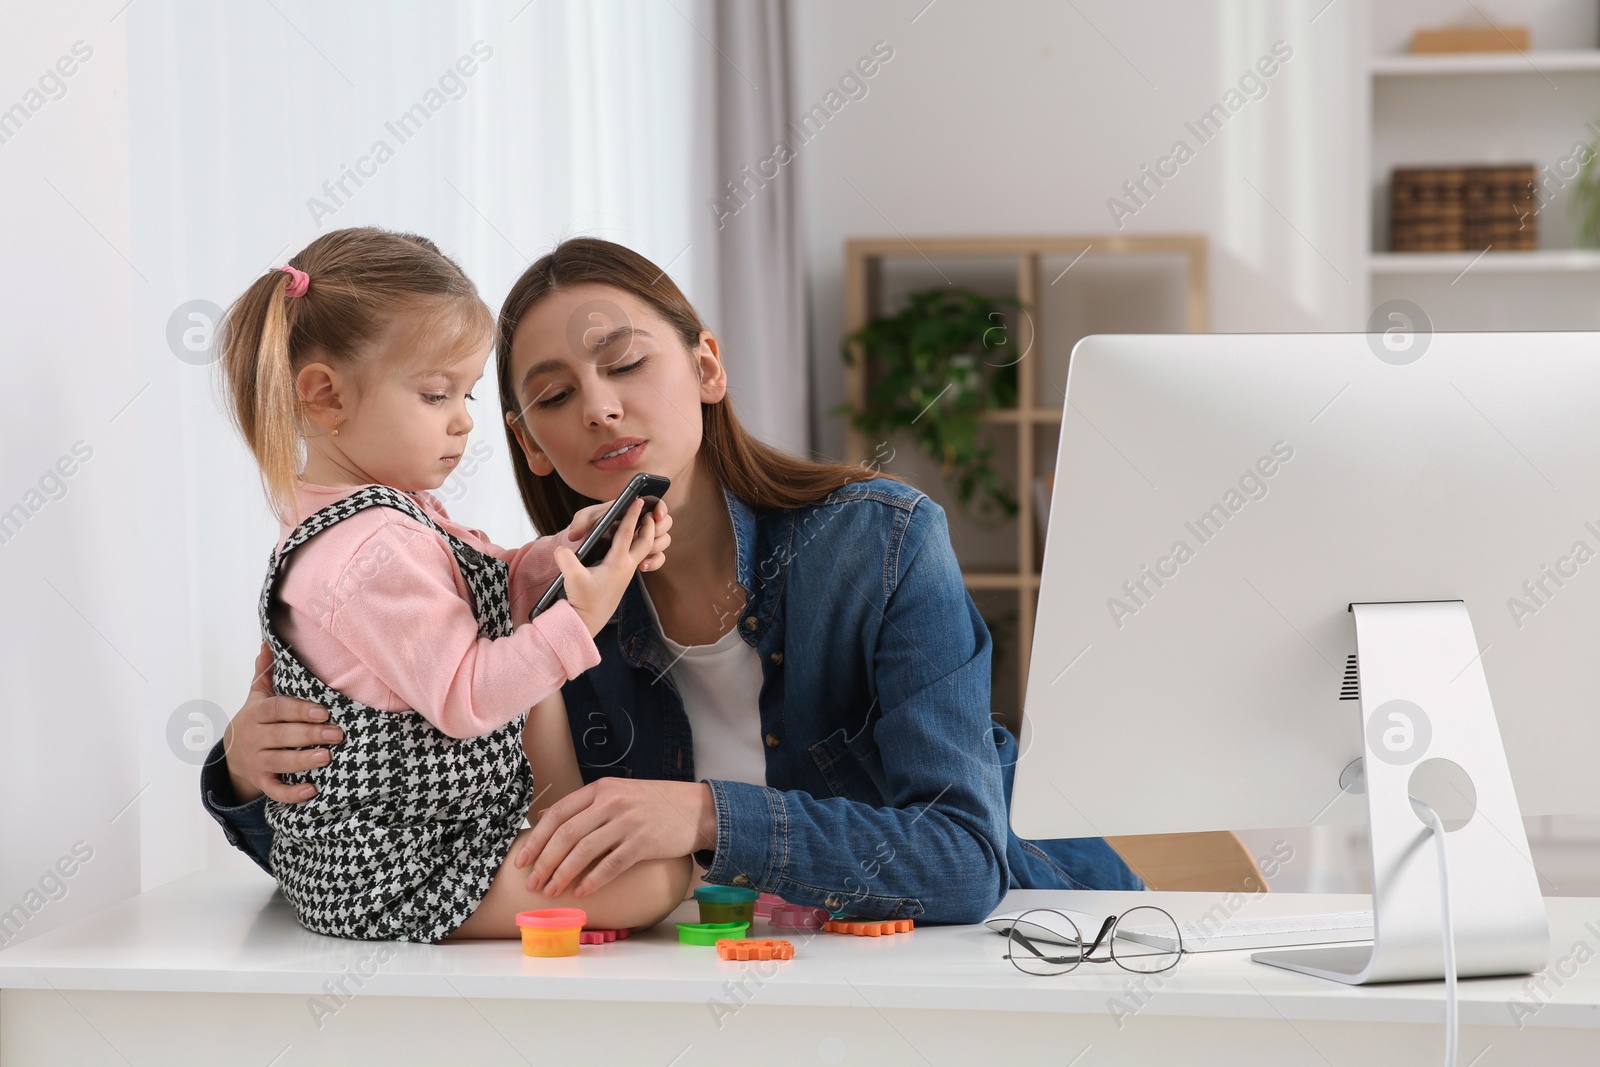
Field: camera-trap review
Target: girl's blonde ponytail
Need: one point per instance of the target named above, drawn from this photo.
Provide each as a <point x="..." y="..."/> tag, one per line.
<point x="277" y="441"/>
<point x="260" y="377"/>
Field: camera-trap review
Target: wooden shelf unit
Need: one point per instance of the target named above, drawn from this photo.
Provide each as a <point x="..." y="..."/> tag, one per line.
<point x="865" y="264"/>
<point x="1482" y="109"/>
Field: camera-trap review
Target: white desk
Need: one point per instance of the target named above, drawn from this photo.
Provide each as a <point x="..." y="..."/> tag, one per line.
<point x="213" y="969"/>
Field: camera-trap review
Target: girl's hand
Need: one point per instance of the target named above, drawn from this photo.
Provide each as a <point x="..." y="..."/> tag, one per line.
<point x="583" y="521"/>
<point x="594" y="592"/>
<point x="270" y="736"/>
<point x="611" y="824"/>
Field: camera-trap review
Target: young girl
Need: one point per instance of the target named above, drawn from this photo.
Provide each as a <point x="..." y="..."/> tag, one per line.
<point x="411" y="629"/>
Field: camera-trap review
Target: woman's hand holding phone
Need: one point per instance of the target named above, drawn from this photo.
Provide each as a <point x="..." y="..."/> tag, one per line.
<point x="595" y="592"/>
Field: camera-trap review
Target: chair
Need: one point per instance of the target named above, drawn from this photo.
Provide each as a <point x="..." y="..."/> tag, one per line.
<point x="1212" y="862"/>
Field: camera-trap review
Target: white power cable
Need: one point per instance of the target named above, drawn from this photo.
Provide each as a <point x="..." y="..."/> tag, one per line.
<point x="1451" y="1018"/>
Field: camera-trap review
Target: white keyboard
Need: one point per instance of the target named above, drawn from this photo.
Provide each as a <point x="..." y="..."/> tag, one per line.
<point x="1324" y="929"/>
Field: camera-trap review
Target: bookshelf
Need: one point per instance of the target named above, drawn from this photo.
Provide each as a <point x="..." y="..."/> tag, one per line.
<point x="1070" y="287"/>
<point x="1482" y="109"/>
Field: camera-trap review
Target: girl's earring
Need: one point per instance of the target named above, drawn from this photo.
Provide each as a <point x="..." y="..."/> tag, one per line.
<point x="336" y="431"/>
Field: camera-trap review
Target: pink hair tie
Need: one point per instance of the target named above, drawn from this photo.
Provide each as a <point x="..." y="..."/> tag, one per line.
<point x="299" y="281"/>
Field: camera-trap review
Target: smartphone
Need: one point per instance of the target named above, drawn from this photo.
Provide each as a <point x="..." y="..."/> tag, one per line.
<point x="650" y="487"/>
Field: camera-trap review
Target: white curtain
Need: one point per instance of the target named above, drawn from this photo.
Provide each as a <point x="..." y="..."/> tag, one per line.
<point x="762" y="321"/>
<point x="200" y="144"/>
<point x="91" y="581"/>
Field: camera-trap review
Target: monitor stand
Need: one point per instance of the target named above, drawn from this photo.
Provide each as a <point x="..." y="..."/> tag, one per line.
<point x="1424" y="701"/>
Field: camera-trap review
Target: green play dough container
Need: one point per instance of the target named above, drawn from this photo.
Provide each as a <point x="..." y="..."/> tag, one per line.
<point x="726" y="904"/>
<point x="710" y="933"/>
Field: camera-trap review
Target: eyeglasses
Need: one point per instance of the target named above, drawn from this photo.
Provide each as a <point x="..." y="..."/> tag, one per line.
<point x="1150" y="942"/>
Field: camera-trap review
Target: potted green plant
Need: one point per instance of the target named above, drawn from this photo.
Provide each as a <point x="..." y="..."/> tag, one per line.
<point x="935" y="367"/>
<point x="1586" y="198"/>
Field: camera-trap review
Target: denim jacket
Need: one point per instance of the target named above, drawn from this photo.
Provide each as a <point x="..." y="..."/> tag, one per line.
<point x="888" y="784"/>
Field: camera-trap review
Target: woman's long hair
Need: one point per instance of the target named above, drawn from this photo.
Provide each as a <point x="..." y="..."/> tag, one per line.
<point x="757" y="473"/>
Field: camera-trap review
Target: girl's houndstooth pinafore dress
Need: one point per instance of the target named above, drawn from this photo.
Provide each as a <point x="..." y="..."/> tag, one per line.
<point x="409" y="825"/>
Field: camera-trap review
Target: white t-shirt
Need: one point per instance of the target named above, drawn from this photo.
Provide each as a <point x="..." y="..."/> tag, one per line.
<point x="721" y="688"/>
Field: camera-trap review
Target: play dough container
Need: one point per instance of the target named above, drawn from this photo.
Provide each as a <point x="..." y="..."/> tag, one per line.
<point x="709" y="934"/>
<point x="551" y="931"/>
<point x="726" y="904"/>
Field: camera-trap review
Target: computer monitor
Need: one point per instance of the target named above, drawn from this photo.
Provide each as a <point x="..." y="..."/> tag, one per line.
<point x="1220" y="502"/>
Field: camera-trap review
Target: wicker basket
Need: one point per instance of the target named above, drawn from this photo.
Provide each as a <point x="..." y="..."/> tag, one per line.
<point x="1462" y="209"/>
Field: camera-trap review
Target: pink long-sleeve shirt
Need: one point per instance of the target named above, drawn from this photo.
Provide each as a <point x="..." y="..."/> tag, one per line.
<point x="376" y="607"/>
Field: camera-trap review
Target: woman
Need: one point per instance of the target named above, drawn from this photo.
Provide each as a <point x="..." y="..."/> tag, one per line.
<point x="799" y="697"/>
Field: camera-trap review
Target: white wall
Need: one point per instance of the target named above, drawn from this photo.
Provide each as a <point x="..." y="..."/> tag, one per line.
<point x="1026" y="117"/>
